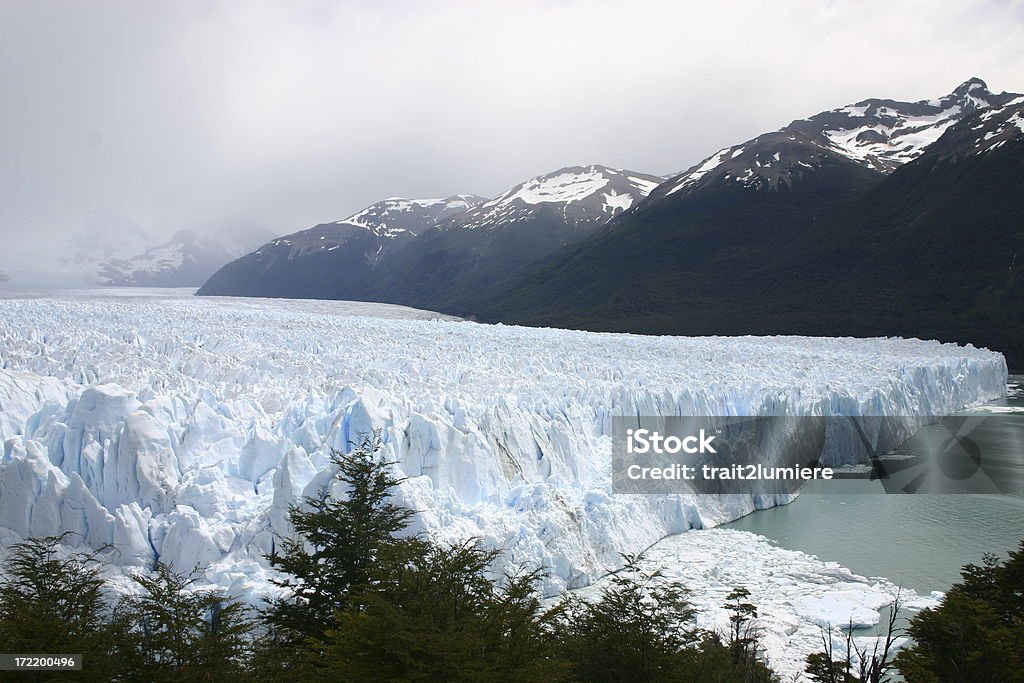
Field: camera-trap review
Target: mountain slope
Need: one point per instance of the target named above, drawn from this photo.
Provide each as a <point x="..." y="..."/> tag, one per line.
<point x="930" y="250"/>
<point x="186" y="260"/>
<point x="451" y="262"/>
<point x="877" y="134"/>
<point x="333" y="260"/>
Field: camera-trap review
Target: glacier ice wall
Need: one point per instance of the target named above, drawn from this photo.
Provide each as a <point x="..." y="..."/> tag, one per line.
<point x="182" y="429"/>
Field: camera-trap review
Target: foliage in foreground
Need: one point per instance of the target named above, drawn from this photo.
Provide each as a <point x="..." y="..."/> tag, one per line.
<point x="974" y="635"/>
<point x="368" y="601"/>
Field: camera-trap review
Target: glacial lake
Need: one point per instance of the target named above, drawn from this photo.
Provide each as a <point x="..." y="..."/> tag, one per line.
<point x="920" y="541"/>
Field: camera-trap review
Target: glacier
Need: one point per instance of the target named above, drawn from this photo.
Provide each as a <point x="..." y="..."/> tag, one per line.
<point x="181" y="429"/>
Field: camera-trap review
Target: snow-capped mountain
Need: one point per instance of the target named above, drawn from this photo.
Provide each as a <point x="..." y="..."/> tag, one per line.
<point x="333" y="260"/>
<point x="429" y="252"/>
<point x="186" y="260"/>
<point x="794" y="233"/>
<point x="877" y="134"/>
<point x="992" y="129"/>
<point x="114" y="250"/>
<point x="528" y="223"/>
<point x="592" y="194"/>
<point x="396" y="217"/>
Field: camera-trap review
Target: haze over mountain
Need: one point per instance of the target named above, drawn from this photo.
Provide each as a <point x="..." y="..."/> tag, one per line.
<point x="333" y="260"/>
<point x="435" y="251"/>
<point x="868" y="219"/>
<point x="186" y="260"/>
<point x="117" y="251"/>
<point x="195" y="114"/>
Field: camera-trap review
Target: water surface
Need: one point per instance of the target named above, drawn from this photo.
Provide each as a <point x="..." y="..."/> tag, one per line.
<point x="920" y="541"/>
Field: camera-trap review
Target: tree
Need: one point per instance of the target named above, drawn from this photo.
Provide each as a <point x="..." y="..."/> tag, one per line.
<point x="744" y="638"/>
<point x="437" y="616"/>
<point x="338" y="541"/>
<point x="974" y="634"/>
<point x="635" y="631"/>
<point x="742" y="633"/>
<point x="52" y="603"/>
<point x="177" y="633"/>
<point x="871" y="666"/>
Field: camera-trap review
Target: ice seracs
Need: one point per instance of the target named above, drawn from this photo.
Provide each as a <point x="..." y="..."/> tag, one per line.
<point x="181" y="429"/>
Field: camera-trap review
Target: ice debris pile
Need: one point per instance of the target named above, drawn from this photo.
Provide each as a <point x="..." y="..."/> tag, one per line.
<point x="182" y="429"/>
<point x="797" y="595"/>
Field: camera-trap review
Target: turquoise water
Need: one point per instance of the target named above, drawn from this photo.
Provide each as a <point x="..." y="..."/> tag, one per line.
<point x="919" y="541"/>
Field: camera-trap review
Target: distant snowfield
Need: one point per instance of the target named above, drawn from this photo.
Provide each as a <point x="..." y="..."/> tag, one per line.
<point x="182" y="428"/>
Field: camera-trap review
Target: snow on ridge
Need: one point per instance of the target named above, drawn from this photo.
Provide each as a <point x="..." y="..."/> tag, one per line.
<point x="580" y="193"/>
<point x="693" y="176"/>
<point x="183" y="428"/>
<point x="899" y="143"/>
<point x="395" y="216"/>
<point x="563" y="187"/>
<point x="878" y="134"/>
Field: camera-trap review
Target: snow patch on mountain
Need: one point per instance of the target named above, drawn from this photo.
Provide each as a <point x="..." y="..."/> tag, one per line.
<point x="694" y="175"/>
<point x="181" y="429"/>
<point x="881" y="135"/>
<point x="397" y="215"/>
<point x="579" y="193"/>
<point x="561" y="187"/>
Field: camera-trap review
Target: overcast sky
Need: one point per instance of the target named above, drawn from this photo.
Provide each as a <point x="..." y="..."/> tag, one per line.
<point x="284" y="114"/>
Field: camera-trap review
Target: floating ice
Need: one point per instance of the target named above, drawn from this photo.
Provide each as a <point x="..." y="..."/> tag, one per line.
<point x="796" y="594"/>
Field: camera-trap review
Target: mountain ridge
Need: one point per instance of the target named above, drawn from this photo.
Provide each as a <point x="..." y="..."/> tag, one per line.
<point x="732" y="258"/>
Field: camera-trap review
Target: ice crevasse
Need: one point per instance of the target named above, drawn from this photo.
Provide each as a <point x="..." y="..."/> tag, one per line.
<point x="182" y="429"/>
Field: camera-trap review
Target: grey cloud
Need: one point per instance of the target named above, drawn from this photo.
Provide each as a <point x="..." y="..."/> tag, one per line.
<point x="197" y="114"/>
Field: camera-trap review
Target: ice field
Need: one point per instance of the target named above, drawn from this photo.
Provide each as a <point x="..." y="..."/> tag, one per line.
<point x="182" y="428"/>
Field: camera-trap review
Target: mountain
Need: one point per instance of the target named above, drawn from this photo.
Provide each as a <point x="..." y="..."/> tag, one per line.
<point x="333" y="260"/>
<point x="105" y="238"/>
<point x="114" y="250"/>
<point x="795" y="233"/>
<point x="475" y="249"/>
<point x="877" y="134"/>
<point x="436" y="252"/>
<point x="186" y="260"/>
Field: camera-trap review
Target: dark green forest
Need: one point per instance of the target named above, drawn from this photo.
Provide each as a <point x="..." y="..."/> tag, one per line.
<point x="933" y="251"/>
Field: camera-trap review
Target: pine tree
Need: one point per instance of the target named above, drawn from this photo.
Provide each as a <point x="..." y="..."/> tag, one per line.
<point x="51" y="603"/>
<point x="636" y="631"/>
<point x="338" y="540"/>
<point x="742" y="632"/>
<point x="974" y="634"/>
<point x="439" y="617"/>
<point x="177" y="633"/>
